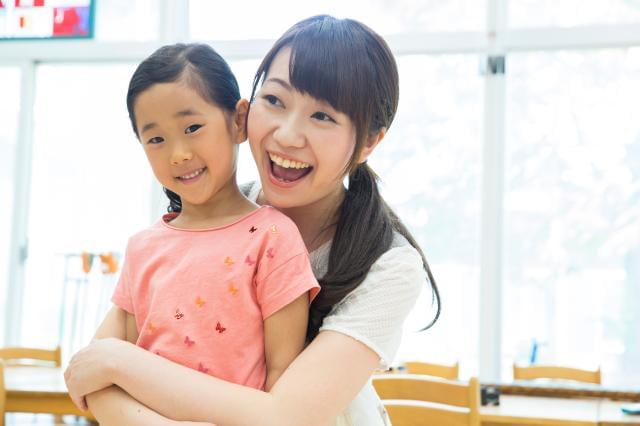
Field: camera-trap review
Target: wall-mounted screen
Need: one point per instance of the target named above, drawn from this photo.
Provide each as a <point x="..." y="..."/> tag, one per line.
<point x="46" y="19"/>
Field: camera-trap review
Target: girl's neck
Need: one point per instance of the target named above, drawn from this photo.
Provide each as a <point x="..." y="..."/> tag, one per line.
<point x="317" y="221"/>
<point x="225" y="207"/>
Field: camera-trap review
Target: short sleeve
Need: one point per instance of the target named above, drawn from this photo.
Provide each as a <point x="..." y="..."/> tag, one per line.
<point x="375" y="311"/>
<point x="122" y="294"/>
<point x="285" y="271"/>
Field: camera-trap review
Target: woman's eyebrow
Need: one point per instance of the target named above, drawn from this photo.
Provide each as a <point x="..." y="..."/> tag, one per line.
<point x="281" y="82"/>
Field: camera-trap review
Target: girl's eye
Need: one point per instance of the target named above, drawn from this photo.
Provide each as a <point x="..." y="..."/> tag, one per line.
<point x="192" y="128"/>
<point x="273" y="100"/>
<point x="155" y="140"/>
<point x="322" y="116"/>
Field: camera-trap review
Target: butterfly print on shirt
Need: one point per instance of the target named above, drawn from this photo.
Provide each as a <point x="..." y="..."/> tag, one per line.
<point x="232" y="288"/>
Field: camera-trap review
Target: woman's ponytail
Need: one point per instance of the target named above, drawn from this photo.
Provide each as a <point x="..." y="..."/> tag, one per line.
<point x="364" y="231"/>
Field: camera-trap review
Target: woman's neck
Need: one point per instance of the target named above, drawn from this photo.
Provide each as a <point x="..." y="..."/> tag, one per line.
<point x="317" y="221"/>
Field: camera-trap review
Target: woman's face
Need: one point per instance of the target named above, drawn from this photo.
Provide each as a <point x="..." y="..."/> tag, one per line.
<point x="301" y="145"/>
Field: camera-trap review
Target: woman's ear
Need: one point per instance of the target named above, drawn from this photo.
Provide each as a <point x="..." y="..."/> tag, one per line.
<point x="240" y="120"/>
<point x="371" y="143"/>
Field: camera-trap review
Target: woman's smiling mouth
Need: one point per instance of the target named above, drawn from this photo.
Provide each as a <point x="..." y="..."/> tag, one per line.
<point x="286" y="170"/>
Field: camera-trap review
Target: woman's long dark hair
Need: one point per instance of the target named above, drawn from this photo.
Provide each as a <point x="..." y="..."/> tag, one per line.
<point x="348" y="65"/>
<point x="201" y="67"/>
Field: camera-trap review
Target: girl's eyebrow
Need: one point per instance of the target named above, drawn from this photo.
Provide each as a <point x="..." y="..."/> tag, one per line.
<point x="184" y="113"/>
<point x="281" y="82"/>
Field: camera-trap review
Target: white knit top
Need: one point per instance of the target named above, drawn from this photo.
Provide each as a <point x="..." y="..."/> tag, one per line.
<point x="373" y="313"/>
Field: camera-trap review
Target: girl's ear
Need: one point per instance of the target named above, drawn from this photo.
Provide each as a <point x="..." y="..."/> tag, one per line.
<point x="240" y="120"/>
<point x="372" y="142"/>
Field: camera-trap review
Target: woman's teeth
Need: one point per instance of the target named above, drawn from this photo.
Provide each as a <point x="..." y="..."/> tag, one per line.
<point x="192" y="175"/>
<point x="288" y="164"/>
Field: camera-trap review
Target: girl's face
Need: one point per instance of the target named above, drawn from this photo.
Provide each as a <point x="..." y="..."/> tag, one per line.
<point x="301" y="145"/>
<point x="190" y="143"/>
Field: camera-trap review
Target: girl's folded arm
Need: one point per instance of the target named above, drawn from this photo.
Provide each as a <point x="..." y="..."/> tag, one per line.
<point x="314" y="390"/>
<point x="284" y="337"/>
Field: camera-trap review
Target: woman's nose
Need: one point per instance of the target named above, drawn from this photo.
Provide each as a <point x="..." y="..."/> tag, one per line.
<point x="290" y="133"/>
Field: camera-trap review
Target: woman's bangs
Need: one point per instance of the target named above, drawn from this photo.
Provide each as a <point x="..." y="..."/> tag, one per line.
<point x="320" y="68"/>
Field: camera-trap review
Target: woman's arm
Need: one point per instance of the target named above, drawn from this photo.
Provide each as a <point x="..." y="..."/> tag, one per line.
<point x="318" y="385"/>
<point x="284" y="337"/>
<point x="111" y="405"/>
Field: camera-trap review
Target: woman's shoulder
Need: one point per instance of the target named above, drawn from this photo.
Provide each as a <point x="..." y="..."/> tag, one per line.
<point x="397" y="274"/>
<point x="401" y="255"/>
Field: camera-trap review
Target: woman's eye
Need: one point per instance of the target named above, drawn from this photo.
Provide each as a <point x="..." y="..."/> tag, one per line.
<point x="322" y="116"/>
<point x="155" y="140"/>
<point x="273" y="100"/>
<point x="192" y="128"/>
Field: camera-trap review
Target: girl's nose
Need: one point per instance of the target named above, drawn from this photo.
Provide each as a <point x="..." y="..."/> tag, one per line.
<point x="180" y="155"/>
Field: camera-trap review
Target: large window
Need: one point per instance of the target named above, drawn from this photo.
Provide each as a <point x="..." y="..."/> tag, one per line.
<point x="572" y="211"/>
<point x="91" y="184"/>
<point x="571" y="233"/>
<point x="126" y="20"/>
<point x="9" y="108"/>
<point x="256" y="19"/>
<point x="572" y="13"/>
<point x="430" y="167"/>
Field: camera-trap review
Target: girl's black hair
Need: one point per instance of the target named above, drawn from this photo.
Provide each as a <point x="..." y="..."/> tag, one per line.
<point x="201" y="67"/>
<point x="348" y="65"/>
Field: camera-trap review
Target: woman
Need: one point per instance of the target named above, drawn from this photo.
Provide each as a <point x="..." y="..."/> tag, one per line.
<point x="323" y="99"/>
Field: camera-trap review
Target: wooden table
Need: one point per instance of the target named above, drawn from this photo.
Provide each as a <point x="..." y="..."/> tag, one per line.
<point x="544" y="411"/>
<point x="38" y="390"/>
<point x="42" y="390"/>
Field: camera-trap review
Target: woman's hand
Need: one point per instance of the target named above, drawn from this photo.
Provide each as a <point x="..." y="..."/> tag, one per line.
<point x="90" y="369"/>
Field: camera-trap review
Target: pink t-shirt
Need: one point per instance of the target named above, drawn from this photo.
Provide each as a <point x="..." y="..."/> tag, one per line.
<point x="200" y="296"/>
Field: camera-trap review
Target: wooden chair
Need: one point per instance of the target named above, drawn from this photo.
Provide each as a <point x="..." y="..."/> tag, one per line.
<point x="438" y="370"/>
<point x="554" y="372"/>
<point x="25" y="356"/>
<point x="3" y="393"/>
<point x="413" y="400"/>
<point x="21" y="356"/>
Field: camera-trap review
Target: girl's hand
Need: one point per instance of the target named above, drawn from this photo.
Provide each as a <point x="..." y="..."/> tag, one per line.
<point x="89" y="369"/>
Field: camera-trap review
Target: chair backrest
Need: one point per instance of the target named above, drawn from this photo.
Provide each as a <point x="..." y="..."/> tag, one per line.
<point x="438" y="370"/>
<point x="19" y="355"/>
<point x="555" y="372"/>
<point x="417" y="399"/>
<point x="3" y="394"/>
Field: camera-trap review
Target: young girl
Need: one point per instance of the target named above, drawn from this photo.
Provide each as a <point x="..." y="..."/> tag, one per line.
<point x="325" y="95"/>
<point x="219" y="284"/>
